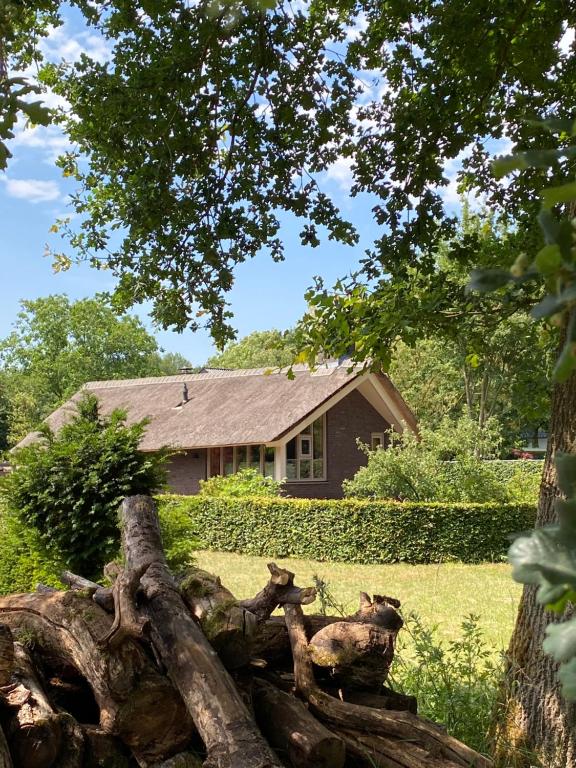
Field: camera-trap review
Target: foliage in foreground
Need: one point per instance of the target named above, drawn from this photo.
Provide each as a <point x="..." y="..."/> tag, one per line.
<point x="354" y="530"/>
<point x="443" y="465"/>
<point x="68" y="486"/>
<point x="455" y="683"/>
<point x="246" y="482"/>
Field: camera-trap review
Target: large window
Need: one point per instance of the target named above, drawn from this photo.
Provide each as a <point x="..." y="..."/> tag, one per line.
<point x="230" y="459"/>
<point x="305" y="453"/>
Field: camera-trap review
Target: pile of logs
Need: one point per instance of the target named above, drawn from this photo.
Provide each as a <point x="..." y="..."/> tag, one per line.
<point x="174" y="672"/>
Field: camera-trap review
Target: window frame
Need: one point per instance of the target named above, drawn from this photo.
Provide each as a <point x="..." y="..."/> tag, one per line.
<point x="377" y="436"/>
<point x="249" y="448"/>
<point x="308" y="435"/>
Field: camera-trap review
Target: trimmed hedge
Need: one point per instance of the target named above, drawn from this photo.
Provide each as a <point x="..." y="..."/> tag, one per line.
<point x="353" y="530"/>
<point x="505" y="469"/>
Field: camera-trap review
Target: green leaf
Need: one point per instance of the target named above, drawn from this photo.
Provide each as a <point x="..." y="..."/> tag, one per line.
<point x="502" y="166"/>
<point x="549" y="225"/>
<point x="567" y="676"/>
<point x="541" y="556"/>
<point x="37" y="113"/>
<point x="566" y="478"/>
<point x="560" y="641"/>
<point x="548" y="259"/>
<point x="486" y="280"/>
<point x="554" y="195"/>
<point x="550" y="305"/>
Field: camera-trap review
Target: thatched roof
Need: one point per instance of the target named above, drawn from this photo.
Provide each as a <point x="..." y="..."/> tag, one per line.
<point x="223" y="407"/>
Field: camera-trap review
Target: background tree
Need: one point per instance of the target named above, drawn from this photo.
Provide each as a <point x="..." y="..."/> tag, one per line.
<point x="57" y="345"/>
<point x="259" y="349"/>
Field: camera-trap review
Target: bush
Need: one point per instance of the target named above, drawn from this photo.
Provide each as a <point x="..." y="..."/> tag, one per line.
<point x="24" y="560"/>
<point x="444" y="465"/>
<point x="68" y="486"/>
<point x="353" y="530"/>
<point x="246" y="482"/>
<point x="456" y="684"/>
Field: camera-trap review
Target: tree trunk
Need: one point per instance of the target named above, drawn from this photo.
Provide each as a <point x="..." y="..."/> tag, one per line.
<point x="533" y="720"/>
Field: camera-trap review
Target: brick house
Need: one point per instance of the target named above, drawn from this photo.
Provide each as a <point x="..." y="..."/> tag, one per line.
<point x="304" y="430"/>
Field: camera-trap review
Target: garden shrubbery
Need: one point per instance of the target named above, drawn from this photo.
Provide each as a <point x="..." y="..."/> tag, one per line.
<point x="452" y="463"/>
<point x="246" y="482"/>
<point x="353" y="530"/>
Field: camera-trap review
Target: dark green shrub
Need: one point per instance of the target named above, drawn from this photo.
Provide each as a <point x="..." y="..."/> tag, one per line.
<point x="353" y="530"/>
<point x="68" y="486"/>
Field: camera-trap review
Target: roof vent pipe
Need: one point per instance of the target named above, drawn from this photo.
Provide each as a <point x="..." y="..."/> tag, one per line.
<point x="184" y="393"/>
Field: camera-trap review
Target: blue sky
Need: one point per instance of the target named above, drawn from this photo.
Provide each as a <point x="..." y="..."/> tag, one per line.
<point x="33" y="195"/>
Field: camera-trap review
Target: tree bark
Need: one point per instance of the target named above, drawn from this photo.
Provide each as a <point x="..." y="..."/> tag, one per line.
<point x="228" y="730"/>
<point x="398" y="727"/>
<point x="293" y="731"/>
<point x="533" y="720"/>
<point x="127" y="687"/>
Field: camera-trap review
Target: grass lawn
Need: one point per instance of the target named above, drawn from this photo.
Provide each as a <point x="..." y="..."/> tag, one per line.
<point x="441" y="594"/>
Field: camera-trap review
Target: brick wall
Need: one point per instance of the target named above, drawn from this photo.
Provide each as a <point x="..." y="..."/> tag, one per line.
<point x="185" y="470"/>
<point x="353" y="417"/>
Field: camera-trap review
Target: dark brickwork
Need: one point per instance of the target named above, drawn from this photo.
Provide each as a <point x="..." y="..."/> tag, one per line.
<point x="353" y="417"/>
<point x="185" y="470"/>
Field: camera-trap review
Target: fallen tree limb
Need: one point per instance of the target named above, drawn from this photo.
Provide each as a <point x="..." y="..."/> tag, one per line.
<point x="229" y="733"/>
<point x="403" y="726"/>
<point x="291" y="729"/>
<point x="127" y="688"/>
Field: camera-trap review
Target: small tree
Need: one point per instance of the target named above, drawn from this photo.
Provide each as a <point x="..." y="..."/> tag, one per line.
<point x="69" y="485"/>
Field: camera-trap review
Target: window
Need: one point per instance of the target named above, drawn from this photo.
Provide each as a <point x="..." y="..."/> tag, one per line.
<point x="231" y="459"/>
<point x="305" y="453"/>
<point x="377" y="440"/>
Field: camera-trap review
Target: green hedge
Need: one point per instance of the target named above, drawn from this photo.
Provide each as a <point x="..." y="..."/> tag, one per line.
<point x="352" y="530"/>
<point x="506" y="469"/>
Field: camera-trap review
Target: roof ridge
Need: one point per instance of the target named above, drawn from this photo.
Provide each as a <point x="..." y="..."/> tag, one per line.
<point x="223" y="373"/>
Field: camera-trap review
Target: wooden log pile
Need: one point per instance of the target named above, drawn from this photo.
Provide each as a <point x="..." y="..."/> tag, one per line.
<point x="166" y="672"/>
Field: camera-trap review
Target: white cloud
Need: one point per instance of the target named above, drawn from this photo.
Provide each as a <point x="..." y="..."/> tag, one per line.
<point x="341" y="173"/>
<point x="567" y="40"/>
<point x="32" y="190"/>
<point x="61" y="43"/>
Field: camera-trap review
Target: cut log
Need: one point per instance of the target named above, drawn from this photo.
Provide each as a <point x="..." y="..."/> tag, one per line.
<point x="403" y="726"/>
<point x="134" y="700"/>
<point x="103" y="749"/>
<point x="385" y="699"/>
<point x="358" y="654"/>
<point x="230" y="735"/>
<point x="293" y="731"/>
<point x="34" y="730"/>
